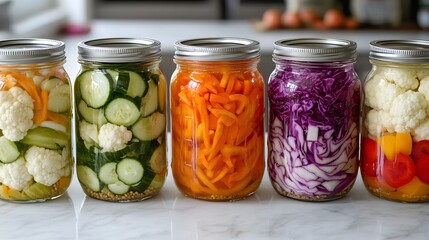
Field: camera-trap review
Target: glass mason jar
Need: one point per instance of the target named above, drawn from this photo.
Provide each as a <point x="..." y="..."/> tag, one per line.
<point x="395" y="119"/>
<point x="120" y="99"/>
<point x="217" y="118"/>
<point x="35" y="120"/>
<point x="314" y="106"/>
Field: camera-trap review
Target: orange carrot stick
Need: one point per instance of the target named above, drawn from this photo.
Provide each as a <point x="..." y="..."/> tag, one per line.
<point x="42" y="114"/>
<point x="58" y="118"/>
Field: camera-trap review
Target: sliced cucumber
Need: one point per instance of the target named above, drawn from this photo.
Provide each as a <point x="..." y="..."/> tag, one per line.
<point x="8" y="150"/>
<point x="147" y="179"/>
<point x="95" y="88"/>
<point x="121" y="111"/>
<point x="88" y="178"/>
<point x="51" y="83"/>
<point x="118" y="187"/>
<point x="108" y="174"/>
<point x="46" y="138"/>
<point x="158" y="160"/>
<point x="91" y="115"/>
<point x="38" y="191"/>
<point x="150" y="101"/>
<point x="158" y="181"/>
<point x="131" y="84"/>
<point x="59" y="99"/>
<point x="130" y="171"/>
<point x="113" y="74"/>
<point x="150" y="127"/>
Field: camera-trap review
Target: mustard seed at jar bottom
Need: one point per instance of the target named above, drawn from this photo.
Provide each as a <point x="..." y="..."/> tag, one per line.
<point x="395" y="134"/>
<point x="35" y="120"/>
<point x="120" y="99"/>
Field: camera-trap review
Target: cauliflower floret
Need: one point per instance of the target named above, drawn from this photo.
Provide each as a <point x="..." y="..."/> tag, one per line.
<point x="16" y="113"/>
<point x="88" y="132"/>
<point x="15" y="175"/>
<point x="421" y="132"/>
<point x="422" y="73"/>
<point x="379" y="93"/>
<point x="113" y="138"/>
<point x="377" y="122"/>
<point x="424" y="88"/>
<point x="47" y="166"/>
<point x="404" y="78"/>
<point x="408" y="111"/>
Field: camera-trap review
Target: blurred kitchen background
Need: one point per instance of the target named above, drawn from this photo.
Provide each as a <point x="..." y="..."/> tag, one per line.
<point x="171" y="20"/>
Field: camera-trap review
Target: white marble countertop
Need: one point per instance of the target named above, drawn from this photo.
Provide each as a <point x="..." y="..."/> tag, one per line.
<point x="170" y="215"/>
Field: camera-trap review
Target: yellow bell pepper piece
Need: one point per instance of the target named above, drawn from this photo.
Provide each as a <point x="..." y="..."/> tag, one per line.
<point x="415" y="188"/>
<point x="394" y="144"/>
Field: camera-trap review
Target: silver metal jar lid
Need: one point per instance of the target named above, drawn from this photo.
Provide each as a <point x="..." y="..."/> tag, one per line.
<point x="31" y="50"/>
<point x="315" y="49"/>
<point x="407" y="51"/>
<point x="119" y="50"/>
<point x="217" y="49"/>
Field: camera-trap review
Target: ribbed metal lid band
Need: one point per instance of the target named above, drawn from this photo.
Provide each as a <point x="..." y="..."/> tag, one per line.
<point x="407" y="51"/>
<point x="217" y="49"/>
<point x="119" y="50"/>
<point x="31" y="50"/>
<point x="314" y="49"/>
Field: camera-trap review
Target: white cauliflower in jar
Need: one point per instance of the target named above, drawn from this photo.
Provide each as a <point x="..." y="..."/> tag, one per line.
<point x="377" y="122"/>
<point x="88" y="132"/>
<point x="421" y="132"/>
<point x="404" y="78"/>
<point x="16" y="113"/>
<point x="408" y="111"/>
<point x="47" y="166"/>
<point x="379" y="93"/>
<point x="113" y="138"/>
<point x="15" y="175"/>
<point x="424" y="89"/>
<point x="422" y="73"/>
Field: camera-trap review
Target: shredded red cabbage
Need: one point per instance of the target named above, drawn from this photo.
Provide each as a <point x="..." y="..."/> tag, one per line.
<point x="313" y="129"/>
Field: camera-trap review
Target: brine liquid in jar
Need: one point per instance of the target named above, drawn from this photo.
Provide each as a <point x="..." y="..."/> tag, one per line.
<point x="395" y="134"/>
<point x="313" y="126"/>
<point x="36" y="160"/>
<point x="217" y="118"/>
<point x="120" y="99"/>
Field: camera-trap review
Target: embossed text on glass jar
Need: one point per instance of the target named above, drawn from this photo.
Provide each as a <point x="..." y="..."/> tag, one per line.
<point x="314" y="102"/>
<point x="35" y="120"/>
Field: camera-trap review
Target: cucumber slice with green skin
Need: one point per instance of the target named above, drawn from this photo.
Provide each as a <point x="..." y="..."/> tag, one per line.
<point x="158" y="181"/>
<point x="113" y="74"/>
<point x="88" y="178"/>
<point x="54" y="125"/>
<point x="150" y="101"/>
<point x="147" y="179"/>
<point x="158" y="160"/>
<point x="130" y="171"/>
<point x="118" y="187"/>
<point x="150" y="127"/>
<point x="108" y="174"/>
<point x="121" y="111"/>
<point x="46" y="138"/>
<point x="51" y="83"/>
<point x="91" y="115"/>
<point x="8" y="150"/>
<point x="95" y="88"/>
<point x="59" y="99"/>
<point x="131" y="84"/>
<point x="38" y="191"/>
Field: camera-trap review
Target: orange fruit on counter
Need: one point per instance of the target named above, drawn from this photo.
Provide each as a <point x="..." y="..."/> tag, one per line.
<point x="272" y="19"/>
<point x="334" y="19"/>
<point x="309" y="16"/>
<point x="291" y="19"/>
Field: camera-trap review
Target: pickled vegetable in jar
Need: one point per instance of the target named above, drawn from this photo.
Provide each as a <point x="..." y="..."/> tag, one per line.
<point x="120" y="99"/>
<point x="314" y="106"/>
<point x="217" y="118"/>
<point x="395" y="134"/>
<point x="35" y="120"/>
